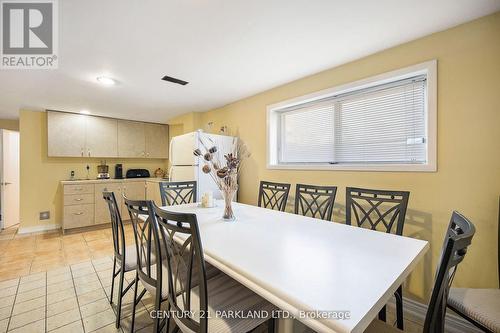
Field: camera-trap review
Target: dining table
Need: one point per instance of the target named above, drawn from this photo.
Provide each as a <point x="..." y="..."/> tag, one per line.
<point x="330" y="276"/>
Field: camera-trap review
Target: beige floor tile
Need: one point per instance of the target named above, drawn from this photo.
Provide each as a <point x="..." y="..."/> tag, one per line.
<point x="92" y="277"/>
<point x="74" y="327"/>
<point x="56" y="279"/>
<point x="60" y="296"/>
<point x="103" y="260"/>
<point x="90" y="297"/>
<point x="8" y="291"/>
<point x="27" y="286"/>
<point x="62" y="319"/>
<point x="5" y="311"/>
<point x="142" y="319"/>
<point x="26" y="318"/>
<point x="3" y="325"/>
<point x="58" y="271"/>
<point x="9" y="283"/>
<point x="95" y="307"/>
<point x="60" y="286"/>
<point x="6" y="301"/>
<point x="29" y="295"/>
<point x="35" y="327"/>
<point x="99" y="320"/>
<point x="28" y="305"/>
<point x="62" y="306"/>
<point x="109" y="329"/>
<point x="15" y="271"/>
<point x="33" y="277"/>
<point x="83" y="265"/>
<point x="82" y="271"/>
<point x="88" y="287"/>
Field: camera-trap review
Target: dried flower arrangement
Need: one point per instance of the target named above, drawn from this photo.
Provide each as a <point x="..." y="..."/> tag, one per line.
<point x="224" y="169"/>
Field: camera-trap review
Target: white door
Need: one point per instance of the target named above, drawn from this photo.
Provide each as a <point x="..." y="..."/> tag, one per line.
<point x="181" y="149"/>
<point x="9" y="174"/>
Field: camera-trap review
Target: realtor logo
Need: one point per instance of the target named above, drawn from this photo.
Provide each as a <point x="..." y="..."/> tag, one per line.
<point x="29" y="34"/>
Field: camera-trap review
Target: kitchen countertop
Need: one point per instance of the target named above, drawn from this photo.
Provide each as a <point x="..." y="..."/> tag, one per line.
<point x="111" y="180"/>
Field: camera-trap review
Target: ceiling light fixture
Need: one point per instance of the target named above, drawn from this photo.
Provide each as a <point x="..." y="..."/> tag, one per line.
<point x="106" y="80"/>
<point x="85" y="112"/>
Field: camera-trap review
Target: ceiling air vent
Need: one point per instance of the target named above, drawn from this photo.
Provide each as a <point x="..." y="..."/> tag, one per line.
<point x="174" y="80"/>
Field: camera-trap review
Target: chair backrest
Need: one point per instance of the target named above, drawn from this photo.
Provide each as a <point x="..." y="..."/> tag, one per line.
<point x="186" y="268"/>
<point x="117" y="229"/>
<point x="147" y="240"/>
<point x="177" y="193"/>
<point x="315" y="201"/>
<point x="458" y="238"/>
<point x="273" y="195"/>
<point x="377" y="209"/>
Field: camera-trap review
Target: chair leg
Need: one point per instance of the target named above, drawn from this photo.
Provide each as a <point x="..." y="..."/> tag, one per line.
<point x="113" y="281"/>
<point x="156" y="321"/>
<point x="120" y="296"/>
<point x="382" y="314"/>
<point x="399" y="308"/>
<point x="270" y="325"/>
<point x="134" y="303"/>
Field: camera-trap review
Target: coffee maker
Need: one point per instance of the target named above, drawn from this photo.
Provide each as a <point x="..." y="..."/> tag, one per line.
<point x="118" y="171"/>
<point x="103" y="171"/>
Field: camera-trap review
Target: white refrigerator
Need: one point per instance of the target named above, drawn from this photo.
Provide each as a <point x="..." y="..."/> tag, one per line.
<point x="185" y="166"/>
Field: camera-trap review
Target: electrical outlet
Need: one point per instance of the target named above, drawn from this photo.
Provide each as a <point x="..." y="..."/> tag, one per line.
<point x="44" y="215"/>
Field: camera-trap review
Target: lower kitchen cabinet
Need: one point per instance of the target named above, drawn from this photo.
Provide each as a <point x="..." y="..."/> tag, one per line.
<point x="84" y="205"/>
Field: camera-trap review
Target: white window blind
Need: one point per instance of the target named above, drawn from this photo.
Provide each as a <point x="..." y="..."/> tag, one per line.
<point x="383" y="124"/>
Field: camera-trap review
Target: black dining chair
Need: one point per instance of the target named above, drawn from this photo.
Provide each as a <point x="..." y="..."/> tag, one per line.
<point x="273" y="195"/>
<point x="177" y="193"/>
<point x="148" y="253"/>
<point x="458" y="237"/>
<point x="379" y="210"/>
<point x="315" y="201"/>
<point x="481" y="307"/>
<point x="190" y="290"/>
<point x="125" y="258"/>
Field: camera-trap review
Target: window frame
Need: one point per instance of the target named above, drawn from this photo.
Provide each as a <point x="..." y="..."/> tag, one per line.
<point x="428" y="68"/>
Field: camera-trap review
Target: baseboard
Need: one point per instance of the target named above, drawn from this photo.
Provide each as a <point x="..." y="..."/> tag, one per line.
<point x="416" y="311"/>
<point x="38" y="228"/>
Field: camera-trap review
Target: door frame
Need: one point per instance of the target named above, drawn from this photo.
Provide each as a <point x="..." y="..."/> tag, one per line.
<point x="2" y="200"/>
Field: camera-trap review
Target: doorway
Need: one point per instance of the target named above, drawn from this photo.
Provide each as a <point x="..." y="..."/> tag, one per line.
<point x="9" y="178"/>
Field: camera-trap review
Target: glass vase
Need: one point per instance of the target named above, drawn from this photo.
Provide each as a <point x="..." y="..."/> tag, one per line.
<point x="228" y="195"/>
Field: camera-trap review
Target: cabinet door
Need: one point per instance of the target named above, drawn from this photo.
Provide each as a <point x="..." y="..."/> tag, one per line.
<point x="102" y="137"/>
<point x="65" y="134"/>
<point x="102" y="214"/>
<point x="153" y="192"/>
<point x="156" y="140"/>
<point x="131" y="139"/>
<point x="133" y="190"/>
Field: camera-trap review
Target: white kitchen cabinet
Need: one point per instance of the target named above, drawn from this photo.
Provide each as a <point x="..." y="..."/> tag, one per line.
<point x="131" y="139"/>
<point x="156" y="140"/>
<point x="66" y="134"/>
<point x="101" y="137"/>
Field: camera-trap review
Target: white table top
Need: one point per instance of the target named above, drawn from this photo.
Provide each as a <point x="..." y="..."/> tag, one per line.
<point x="304" y="264"/>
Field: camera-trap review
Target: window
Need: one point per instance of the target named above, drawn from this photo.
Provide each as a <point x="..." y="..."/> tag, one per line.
<point x="384" y="123"/>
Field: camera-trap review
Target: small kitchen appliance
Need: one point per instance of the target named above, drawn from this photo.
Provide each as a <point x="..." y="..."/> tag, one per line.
<point x="119" y="171"/>
<point x="103" y="171"/>
<point x="137" y="173"/>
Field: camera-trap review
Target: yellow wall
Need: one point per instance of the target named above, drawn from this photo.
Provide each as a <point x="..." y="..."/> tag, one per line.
<point x="468" y="177"/>
<point x="40" y="174"/>
<point x="9" y="124"/>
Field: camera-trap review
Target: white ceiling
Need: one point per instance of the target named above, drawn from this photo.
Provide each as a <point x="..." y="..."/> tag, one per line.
<point x="226" y="49"/>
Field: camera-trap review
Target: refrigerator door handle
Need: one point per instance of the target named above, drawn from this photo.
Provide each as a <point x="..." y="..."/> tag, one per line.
<point x="170" y="176"/>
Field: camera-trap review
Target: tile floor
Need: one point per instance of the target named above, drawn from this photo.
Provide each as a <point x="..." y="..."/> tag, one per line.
<point x="27" y="254"/>
<point x="50" y="282"/>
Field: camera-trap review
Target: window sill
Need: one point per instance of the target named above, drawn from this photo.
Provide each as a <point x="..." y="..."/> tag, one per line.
<point x="356" y="167"/>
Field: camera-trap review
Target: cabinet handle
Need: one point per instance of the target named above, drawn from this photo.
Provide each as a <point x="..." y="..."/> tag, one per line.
<point x="82" y="152"/>
<point x="80" y="213"/>
<point x="78" y="188"/>
<point x="89" y="153"/>
<point x="79" y="199"/>
<point x="147" y="154"/>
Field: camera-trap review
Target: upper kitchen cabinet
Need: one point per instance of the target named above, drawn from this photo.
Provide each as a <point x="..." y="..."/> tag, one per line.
<point x="66" y="134"/>
<point x="131" y="139"/>
<point x="156" y="140"/>
<point x="76" y="135"/>
<point x="102" y="137"/>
